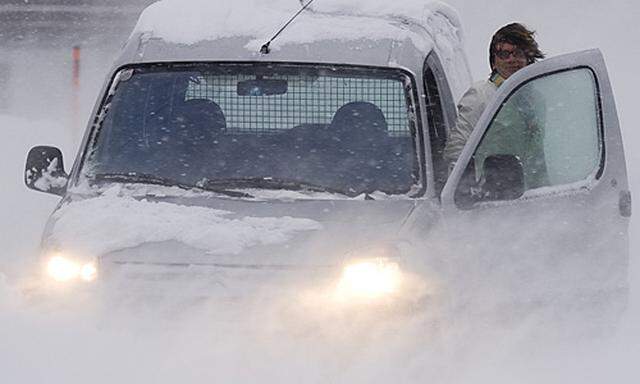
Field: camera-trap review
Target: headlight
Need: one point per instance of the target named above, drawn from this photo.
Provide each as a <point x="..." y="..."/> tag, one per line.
<point x="63" y="269"/>
<point x="369" y="279"/>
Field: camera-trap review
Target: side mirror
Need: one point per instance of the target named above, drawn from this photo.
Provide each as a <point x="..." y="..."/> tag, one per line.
<point x="504" y="178"/>
<point x="44" y="171"/>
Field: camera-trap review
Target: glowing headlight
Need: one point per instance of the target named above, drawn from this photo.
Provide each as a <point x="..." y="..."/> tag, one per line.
<point x="88" y="272"/>
<point x="62" y="269"/>
<point x="369" y="279"/>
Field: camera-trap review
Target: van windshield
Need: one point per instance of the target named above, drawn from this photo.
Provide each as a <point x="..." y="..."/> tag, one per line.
<point x="340" y="129"/>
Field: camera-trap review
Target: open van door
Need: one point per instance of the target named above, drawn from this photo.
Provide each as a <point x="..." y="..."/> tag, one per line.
<point x="541" y="187"/>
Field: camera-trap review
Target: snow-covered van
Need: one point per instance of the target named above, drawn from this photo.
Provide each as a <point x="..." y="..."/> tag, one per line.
<point x="319" y="154"/>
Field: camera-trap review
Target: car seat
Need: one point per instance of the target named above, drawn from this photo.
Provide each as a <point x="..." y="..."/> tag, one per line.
<point x="359" y="131"/>
<point x="188" y="135"/>
<point x="358" y="124"/>
<point x="198" y="121"/>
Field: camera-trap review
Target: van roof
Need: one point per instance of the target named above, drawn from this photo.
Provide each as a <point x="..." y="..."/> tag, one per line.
<point x="355" y="32"/>
<point x="192" y="21"/>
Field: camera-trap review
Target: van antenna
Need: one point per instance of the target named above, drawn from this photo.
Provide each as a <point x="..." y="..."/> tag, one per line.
<point x="265" y="49"/>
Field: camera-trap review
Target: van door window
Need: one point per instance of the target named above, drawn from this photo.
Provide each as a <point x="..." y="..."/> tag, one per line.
<point x="441" y="113"/>
<point x="551" y="126"/>
<point x="437" y="128"/>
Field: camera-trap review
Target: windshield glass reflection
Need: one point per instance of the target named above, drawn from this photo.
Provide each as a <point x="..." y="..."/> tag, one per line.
<point x="338" y="129"/>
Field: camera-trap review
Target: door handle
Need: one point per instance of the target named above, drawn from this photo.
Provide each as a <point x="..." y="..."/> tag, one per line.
<point x="625" y="203"/>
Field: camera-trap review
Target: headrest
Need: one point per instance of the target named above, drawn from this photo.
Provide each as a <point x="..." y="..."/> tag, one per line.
<point x="359" y="122"/>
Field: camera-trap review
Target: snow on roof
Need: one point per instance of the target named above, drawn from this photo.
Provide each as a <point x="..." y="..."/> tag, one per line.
<point x="428" y="25"/>
<point x="192" y="21"/>
<point x="415" y="9"/>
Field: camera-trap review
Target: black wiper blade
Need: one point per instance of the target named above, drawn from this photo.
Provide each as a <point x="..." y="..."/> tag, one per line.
<point x="270" y="183"/>
<point x="143" y="178"/>
<point x="134" y="177"/>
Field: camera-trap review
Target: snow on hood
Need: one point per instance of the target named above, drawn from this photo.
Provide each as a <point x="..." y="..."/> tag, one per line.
<point x="104" y="224"/>
<point x="192" y="21"/>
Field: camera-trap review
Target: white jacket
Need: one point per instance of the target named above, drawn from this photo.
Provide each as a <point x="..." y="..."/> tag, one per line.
<point x="470" y="108"/>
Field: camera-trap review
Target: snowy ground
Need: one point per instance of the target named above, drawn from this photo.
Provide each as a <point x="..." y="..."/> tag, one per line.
<point x="81" y="341"/>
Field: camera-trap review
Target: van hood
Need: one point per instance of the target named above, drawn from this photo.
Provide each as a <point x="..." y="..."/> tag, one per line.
<point x="209" y="230"/>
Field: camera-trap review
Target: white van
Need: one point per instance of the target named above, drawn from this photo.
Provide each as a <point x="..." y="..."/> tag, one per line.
<point x="322" y="151"/>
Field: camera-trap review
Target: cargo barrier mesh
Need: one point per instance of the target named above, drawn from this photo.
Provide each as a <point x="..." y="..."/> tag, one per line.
<point x="309" y="100"/>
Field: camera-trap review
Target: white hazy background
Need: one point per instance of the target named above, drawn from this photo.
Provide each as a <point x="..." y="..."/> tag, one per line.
<point x="79" y="342"/>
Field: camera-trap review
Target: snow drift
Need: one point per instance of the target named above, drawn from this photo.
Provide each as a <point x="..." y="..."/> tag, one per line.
<point x="72" y="341"/>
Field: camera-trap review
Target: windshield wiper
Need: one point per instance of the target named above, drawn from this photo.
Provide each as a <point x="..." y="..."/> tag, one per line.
<point x="269" y="183"/>
<point x="142" y="178"/>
